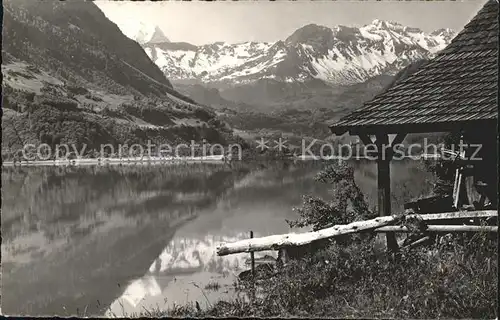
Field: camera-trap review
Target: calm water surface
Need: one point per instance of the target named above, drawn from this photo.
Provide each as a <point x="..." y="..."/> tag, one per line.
<point x="119" y="240"/>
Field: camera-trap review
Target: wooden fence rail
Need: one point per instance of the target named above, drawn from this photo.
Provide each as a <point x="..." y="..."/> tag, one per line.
<point x="440" y="228"/>
<point x="380" y="224"/>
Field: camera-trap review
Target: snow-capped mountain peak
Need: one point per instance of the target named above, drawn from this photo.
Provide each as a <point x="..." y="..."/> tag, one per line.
<point x="377" y="23"/>
<point x="444" y="32"/>
<point x="143" y="32"/>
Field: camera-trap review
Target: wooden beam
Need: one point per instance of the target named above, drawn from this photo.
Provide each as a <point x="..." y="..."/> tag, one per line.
<point x="384" y="185"/>
<point x="441" y="228"/>
<point x="365" y="138"/>
<point x="276" y="242"/>
<point x="456" y="215"/>
<point x="398" y="139"/>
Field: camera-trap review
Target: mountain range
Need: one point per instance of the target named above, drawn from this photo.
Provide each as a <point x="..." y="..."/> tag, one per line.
<point x="338" y="56"/>
<point x="298" y="84"/>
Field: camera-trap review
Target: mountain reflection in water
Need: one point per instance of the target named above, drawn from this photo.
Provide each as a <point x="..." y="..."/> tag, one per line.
<point x="180" y="275"/>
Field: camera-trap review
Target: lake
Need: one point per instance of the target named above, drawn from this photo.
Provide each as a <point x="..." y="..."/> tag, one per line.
<point x="115" y="240"/>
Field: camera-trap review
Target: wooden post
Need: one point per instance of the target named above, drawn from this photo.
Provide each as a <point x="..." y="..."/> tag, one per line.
<point x="458" y="176"/>
<point x="384" y="184"/>
<point x="252" y="258"/>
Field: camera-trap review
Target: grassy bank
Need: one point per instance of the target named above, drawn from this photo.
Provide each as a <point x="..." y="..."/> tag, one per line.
<point x="456" y="279"/>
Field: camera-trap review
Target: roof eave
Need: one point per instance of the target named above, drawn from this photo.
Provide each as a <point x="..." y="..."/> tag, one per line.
<point x="338" y="130"/>
<point x="408" y="128"/>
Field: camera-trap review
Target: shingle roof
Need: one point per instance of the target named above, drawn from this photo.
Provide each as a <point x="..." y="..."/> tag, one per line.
<point x="459" y="85"/>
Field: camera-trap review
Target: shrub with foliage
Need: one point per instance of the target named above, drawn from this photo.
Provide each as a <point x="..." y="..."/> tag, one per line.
<point x="347" y="204"/>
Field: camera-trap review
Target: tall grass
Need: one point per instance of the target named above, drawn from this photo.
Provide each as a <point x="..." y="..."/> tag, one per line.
<point x="453" y="280"/>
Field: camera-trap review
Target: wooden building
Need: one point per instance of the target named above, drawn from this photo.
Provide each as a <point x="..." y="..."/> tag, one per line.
<point x="457" y="91"/>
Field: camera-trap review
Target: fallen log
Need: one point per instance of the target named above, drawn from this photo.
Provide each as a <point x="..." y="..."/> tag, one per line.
<point x="440" y="228"/>
<point x="380" y="224"/>
<point x="276" y="242"/>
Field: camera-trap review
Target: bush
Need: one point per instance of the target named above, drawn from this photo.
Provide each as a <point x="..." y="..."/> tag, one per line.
<point x="347" y="203"/>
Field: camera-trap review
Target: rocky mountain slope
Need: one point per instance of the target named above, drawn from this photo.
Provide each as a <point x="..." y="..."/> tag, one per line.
<point x="339" y="56"/>
<point x="71" y="76"/>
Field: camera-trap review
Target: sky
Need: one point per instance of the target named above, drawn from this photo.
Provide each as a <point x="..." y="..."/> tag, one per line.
<point x="207" y="22"/>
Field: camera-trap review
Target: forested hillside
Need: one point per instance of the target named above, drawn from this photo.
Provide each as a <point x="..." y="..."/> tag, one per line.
<point x="71" y="76"/>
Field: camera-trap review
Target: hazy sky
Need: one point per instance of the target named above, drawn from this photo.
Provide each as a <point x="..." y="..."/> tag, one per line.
<point x="206" y="22"/>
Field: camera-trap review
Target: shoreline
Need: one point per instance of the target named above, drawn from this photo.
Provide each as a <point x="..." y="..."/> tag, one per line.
<point x="154" y="160"/>
<point x="115" y="161"/>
